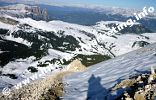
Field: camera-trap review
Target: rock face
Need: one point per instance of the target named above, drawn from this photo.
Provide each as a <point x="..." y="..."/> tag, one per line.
<point x="143" y="87"/>
<point x="37" y="13"/>
<point x="124" y="83"/>
<point x="75" y="66"/>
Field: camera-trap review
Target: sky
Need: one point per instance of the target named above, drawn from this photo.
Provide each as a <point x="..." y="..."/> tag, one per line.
<point x="139" y="4"/>
<point x="106" y="3"/>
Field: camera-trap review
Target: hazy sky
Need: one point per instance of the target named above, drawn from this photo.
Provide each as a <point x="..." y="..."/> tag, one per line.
<point x="104" y="3"/>
<point x="114" y="3"/>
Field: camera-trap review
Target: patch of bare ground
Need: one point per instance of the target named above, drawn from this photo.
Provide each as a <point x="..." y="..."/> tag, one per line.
<point x="57" y="89"/>
<point x="139" y="87"/>
<point x="50" y="88"/>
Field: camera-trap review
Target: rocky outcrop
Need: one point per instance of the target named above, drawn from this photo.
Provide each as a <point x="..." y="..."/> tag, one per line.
<point x="142" y="87"/>
<point x="75" y="66"/>
<point x="37" y="13"/>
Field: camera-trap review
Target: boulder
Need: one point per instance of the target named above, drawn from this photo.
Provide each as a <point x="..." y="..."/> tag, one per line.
<point x="76" y="66"/>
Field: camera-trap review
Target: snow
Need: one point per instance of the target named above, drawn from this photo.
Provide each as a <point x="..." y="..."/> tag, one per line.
<point x="89" y="45"/>
<point x="18" y="8"/>
<point x="5" y="26"/>
<point x="11" y="29"/>
<point x="124" y="42"/>
<point x="59" y="54"/>
<point x="110" y="73"/>
<point x="18" y="40"/>
<point x="19" y="67"/>
<point x="75" y="30"/>
<point x="112" y="22"/>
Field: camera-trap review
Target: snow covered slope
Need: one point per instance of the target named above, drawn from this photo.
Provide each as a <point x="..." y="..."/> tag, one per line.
<point x="97" y="80"/>
<point x="28" y="46"/>
<point x="90" y="38"/>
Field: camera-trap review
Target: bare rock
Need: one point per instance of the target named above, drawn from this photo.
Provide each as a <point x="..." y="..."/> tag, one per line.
<point x="76" y="66"/>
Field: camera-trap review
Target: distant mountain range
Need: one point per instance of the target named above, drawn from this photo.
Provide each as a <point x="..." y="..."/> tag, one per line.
<point x="19" y="1"/>
<point x="91" y="15"/>
<point x="23" y="11"/>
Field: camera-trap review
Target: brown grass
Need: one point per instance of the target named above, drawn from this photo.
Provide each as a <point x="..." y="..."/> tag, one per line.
<point x="57" y="90"/>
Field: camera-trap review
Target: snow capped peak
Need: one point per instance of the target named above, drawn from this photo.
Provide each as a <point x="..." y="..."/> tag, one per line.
<point x="17" y="7"/>
<point x="24" y="11"/>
